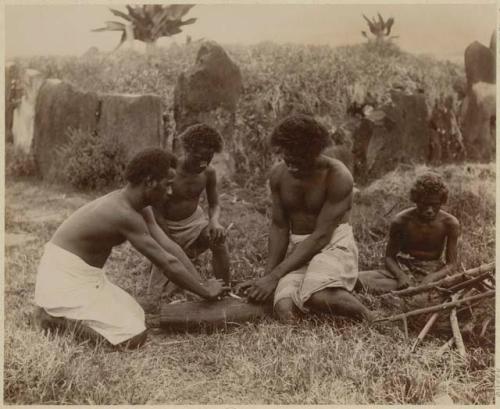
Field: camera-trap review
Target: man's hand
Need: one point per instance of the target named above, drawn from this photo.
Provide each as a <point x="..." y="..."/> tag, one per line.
<point x="429" y="279"/>
<point x="216" y="232"/>
<point x="404" y="281"/>
<point x="262" y="289"/>
<point x="215" y="288"/>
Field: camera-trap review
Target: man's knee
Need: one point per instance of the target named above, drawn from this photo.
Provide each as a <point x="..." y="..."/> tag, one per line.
<point x="285" y="310"/>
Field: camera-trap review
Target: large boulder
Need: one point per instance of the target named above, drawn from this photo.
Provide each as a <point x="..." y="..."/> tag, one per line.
<point x="209" y="93"/>
<point x="60" y="106"/>
<point x="479" y="122"/>
<point x="23" y="119"/>
<point x="134" y="121"/>
<point x="400" y="136"/>
<point x="479" y="63"/>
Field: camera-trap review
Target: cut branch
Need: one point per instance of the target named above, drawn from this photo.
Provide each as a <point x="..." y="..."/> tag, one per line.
<point x="445" y="282"/>
<point x="425" y="330"/>
<point x="439" y="307"/>
<point x="455" y="328"/>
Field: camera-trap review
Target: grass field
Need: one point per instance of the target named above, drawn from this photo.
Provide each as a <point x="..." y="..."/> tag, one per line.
<point x="317" y="361"/>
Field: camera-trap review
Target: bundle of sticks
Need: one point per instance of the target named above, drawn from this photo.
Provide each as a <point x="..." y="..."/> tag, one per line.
<point x="456" y="293"/>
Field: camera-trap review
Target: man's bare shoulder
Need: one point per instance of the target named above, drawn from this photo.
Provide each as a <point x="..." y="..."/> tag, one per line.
<point x="339" y="176"/>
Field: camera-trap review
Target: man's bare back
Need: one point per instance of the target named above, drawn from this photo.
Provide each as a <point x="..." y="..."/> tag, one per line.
<point x="94" y="229"/>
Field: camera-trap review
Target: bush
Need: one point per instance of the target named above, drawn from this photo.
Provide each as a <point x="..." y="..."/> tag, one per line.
<point x="90" y="161"/>
<point x="19" y="163"/>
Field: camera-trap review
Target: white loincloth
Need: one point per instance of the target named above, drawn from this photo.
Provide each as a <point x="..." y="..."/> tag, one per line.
<point x="335" y="266"/>
<point x="68" y="287"/>
<point x="185" y="232"/>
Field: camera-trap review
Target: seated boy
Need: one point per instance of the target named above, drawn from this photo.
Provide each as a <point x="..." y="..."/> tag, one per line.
<point x="181" y="216"/>
<point x="417" y="240"/>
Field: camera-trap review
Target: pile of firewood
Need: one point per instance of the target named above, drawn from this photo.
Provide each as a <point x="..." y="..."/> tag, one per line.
<point x="454" y="294"/>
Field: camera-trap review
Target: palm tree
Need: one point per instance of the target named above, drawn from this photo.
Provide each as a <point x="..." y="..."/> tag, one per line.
<point x="379" y="28"/>
<point x="147" y="23"/>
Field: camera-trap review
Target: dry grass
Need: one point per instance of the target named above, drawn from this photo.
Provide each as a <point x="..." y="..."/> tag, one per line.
<point x="327" y="361"/>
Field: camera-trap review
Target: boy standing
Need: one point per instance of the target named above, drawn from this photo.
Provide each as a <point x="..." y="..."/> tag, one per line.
<point x="181" y="217"/>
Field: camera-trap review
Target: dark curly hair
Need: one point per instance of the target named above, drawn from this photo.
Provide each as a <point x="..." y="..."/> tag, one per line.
<point x="201" y="135"/>
<point x="153" y="162"/>
<point x="426" y="185"/>
<point x="298" y="133"/>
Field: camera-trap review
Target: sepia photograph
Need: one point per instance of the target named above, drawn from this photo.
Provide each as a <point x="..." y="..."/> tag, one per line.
<point x="249" y="203"/>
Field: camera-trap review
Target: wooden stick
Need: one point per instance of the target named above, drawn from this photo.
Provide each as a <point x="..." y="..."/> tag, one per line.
<point x="405" y="326"/>
<point x="445" y="346"/>
<point x="444" y="282"/>
<point x="438" y="307"/>
<point x="486" y="322"/>
<point x="425" y="330"/>
<point x="470" y="282"/>
<point x="455" y="328"/>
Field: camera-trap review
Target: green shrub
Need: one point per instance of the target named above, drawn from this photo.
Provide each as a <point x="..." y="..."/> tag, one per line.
<point x="19" y="163"/>
<point x="90" y="161"/>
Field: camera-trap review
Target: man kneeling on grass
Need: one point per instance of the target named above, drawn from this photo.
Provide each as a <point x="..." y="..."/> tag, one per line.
<point x="71" y="285"/>
<point x="418" y="238"/>
<point x="311" y="202"/>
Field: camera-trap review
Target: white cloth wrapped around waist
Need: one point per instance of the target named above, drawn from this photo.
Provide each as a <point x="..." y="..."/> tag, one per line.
<point x="186" y="231"/>
<point x="336" y="265"/>
<point x="66" y="286"/>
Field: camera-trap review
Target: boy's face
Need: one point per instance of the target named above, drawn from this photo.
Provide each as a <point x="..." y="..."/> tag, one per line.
<point x="428" y="207"/>
<point x="198" y="160"/>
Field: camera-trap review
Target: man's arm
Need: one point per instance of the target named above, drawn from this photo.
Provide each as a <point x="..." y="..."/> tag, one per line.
<point x="135" y="230"/>
<point x="280" y="225"/>
<point x="453" y="229"/>
<point x="338" y="201"/>
<point x="215" y="229"/>
<point x="391" y="252"/>
<point x="165" y="242"/>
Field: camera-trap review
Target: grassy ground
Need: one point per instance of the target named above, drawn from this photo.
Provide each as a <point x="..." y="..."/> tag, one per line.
<point x="327" y="361"/>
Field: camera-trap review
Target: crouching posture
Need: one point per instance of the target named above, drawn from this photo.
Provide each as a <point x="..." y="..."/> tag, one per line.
<point x="181" y="216"/>
<point x="311" y="202"/>
<point x="71" y="287"/>
<point x="418" y="238"/>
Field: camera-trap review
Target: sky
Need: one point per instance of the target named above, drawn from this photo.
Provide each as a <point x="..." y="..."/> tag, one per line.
<point x="438" y="29"/>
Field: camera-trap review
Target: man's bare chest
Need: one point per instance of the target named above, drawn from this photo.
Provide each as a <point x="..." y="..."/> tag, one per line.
<point x="188" y="188"/>
<point x="303" y="197"/>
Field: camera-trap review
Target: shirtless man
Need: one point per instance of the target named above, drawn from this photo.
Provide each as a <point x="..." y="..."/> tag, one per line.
<point x="311" y="202"/>
<point x="418" y="238"/>
<point x="181" y="216"/>
<point x="71" y="285"/>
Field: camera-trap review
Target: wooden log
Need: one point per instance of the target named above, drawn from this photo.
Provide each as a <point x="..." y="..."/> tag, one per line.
<point x="470" y="282"/>
<point x="196" y="315"/>
<point x="445" y="282"/>
<point x="438" y="307"/>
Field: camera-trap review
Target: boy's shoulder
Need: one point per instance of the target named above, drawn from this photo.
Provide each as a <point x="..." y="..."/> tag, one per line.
<point x="404" y="216"/>
<point x="448" y="218"/>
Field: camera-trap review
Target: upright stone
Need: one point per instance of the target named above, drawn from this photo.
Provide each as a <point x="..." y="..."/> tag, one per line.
<point x="60" y="106"/>
<point x="134" y="121"/>
<point x="23" y="120"/>
<point x="209" y="92"/>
